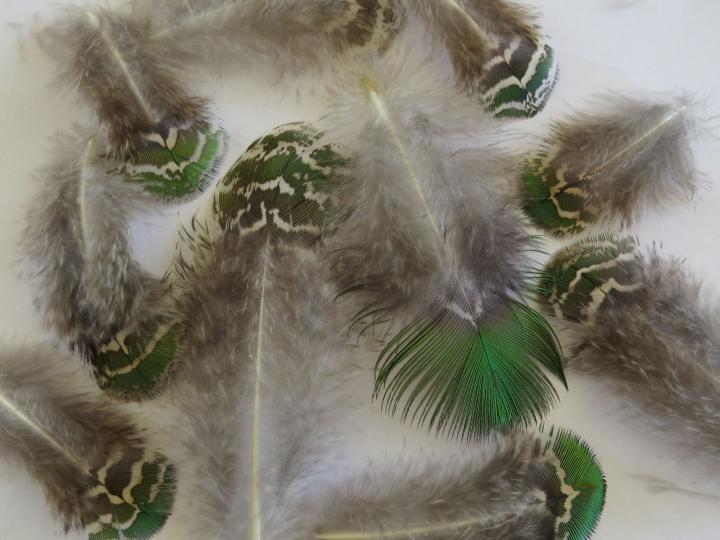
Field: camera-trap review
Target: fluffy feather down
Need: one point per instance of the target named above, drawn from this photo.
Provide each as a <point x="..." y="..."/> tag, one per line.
<point x="651" y="331"/>
<point x="79" y="446"/>
<point x="611" y="163"/>
<point x="133" y="87"/>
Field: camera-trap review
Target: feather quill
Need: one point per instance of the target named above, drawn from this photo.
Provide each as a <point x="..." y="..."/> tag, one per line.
<point x="266" y="339"/>
<point x="524" y="487"/>
<point x="424" y="229"/>
<point x="611" y="163"/>
<point x="93" y="292"/>
<point x="647" y="328"/>
<point x="291" y="35"/>
<point x="158" y="134"/>
<point x="496" y="50"/>
<point x="96" y="469"/>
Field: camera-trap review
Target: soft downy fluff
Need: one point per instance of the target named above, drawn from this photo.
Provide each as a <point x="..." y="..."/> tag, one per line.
<point x="159" y="134"/>
<point x="290" y="35"/>
<point x="611" y="163"/>
<point x="95" y="295"/>
<point x="642" y="324"/>
<point x="497" y="52"/>
<point x="95" y="467"/>
<point x="267" y="340"/>
<point x="424" y="230"/>
<point x="524" y="486"/>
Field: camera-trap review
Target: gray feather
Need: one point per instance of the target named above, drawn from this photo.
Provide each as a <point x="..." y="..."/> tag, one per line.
<point x="134" y="89"/>
<point x="285" y="34"/>
<point x="626" y="155"/>
<point x="77" y="444"/>
<point x="652" y="334"/>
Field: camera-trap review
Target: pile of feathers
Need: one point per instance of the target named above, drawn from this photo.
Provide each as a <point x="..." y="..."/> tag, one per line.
<point x="379" y="257"/>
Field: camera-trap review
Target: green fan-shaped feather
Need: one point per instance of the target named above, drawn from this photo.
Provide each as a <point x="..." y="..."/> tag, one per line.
<point x="469" y="377"/>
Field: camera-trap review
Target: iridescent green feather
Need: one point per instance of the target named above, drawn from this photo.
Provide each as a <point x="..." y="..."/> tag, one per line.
<point x="135" y="496"/>
<point x="284" y="180"/>
<point x="574" y="485"/>
<point x="137" y="362"/>
<point x="519" y="78"/>
<point x="555" y="197"/>
<point x="470" y="379"/>
<point x="175" y="165"/>
<point x="583" y="277"/>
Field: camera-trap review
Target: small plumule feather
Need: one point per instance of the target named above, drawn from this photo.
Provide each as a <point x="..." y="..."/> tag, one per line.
<point x="611" y="163"/>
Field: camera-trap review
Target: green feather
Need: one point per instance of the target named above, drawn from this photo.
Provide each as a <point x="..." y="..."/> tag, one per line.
<point x="468" y="378"/>
<point x="574" y="485"/>
<point x="519" y="77"/>
<point x="583" y="277"/>
<point x="136" y="364"/>
<point x="555" y="196"/>
<point x="135" y="494"/>
<point x="178" y="164"/>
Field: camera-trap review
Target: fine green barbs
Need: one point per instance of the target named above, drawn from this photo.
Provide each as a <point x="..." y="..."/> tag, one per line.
<point x="135" y="495"/>
<point x="284" y="181"/>
<point x="137" y="362"/>
<point x="586" y="276"/>
<point x="176" y="165"/>
<point x="555" y="197"/>
<point x="467" y="380"/>
<point x="519" y="78"/>
<point x="574" y="485"/>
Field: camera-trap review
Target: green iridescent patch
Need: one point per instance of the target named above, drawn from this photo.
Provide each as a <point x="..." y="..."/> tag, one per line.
<point x="283" y="181"/>
<point x="574" y="485"/>
<point x="519" y="78"/>
<point x="581" y="278"/>
<point x="177" y="165"/>
<point x="555" y="198"/>
<point x="136" y="363"/>
<point x="135" y="496"/>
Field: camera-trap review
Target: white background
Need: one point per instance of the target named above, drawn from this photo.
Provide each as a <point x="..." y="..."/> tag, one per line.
<point x="621" y="45"/>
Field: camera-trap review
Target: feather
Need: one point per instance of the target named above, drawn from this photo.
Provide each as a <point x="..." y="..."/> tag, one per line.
<point x="93" y="292"/>
<point x="646" y="327"/>
<point x="611" y="163"/>
<point x="291" y="35"/>
<point x="266" y="339"/>
<point x="97" y="471"/>
<point x="496" y="50"/>
<point x="423" y="228"/>
<point x="159" y="135"/>
<point x="525" y="487"/>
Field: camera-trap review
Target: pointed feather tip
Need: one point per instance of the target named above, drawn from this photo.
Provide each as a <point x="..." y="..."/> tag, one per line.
<point x="575" y="485"/>
<point x="468" y="381"/>
<point x="582" y="278"/>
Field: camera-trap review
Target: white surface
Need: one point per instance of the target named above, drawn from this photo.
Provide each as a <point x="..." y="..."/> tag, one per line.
<point x="620" y="45"/>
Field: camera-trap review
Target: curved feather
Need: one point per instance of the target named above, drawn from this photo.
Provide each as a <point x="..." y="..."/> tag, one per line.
<point x="497" y="52"/>
<point x="158" y="134"/>
<point x="97" y="471"/>
<point x="96" y="296"/>
<point x="424" y="231"/>
<point x="525" y="487"/>
<point x="610" y="163"/>
<point x="647" y="328"/>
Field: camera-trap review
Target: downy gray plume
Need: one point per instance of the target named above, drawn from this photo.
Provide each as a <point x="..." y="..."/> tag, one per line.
<point x="424" y="228"/>
<point x="97" y="471"/>
<point x="94" y="294"/>
<point x="520" y="487"/>
<point x="265" y="336"/>
<point x="646" y="327"/>
<point x="611" y="163"/>
<point x="497" y="52"/>
<point x="287" y="34"/>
